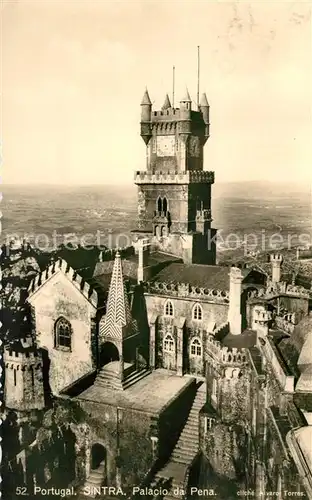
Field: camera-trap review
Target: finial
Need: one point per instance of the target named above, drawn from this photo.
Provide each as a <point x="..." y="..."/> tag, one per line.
<point x="167" y="103"/>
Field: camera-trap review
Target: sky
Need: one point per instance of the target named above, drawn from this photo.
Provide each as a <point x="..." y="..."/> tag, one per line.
<point x="73" y="73"/>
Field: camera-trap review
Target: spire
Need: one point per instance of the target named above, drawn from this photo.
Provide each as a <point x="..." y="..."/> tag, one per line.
<point x="186" y="96"/>
<point x="167" y="103"/>
<point x="118" y="310"/>
<point x="146" y="99"/>
<point x="204" y="101"/>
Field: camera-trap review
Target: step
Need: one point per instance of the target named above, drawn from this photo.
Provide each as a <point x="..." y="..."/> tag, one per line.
<point x="135" y="377"/>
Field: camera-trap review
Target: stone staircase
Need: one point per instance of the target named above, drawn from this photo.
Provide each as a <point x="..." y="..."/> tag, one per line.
<point x="109" y="376"/>
<point x="185" y="450"/>
<point x="93" y="482"/>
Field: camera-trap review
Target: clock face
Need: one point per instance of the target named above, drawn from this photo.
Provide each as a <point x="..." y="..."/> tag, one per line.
<point x="165" y="145"/>
<point x="194" y="146"/>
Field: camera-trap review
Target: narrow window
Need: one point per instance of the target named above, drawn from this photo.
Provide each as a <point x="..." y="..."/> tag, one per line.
<point x="197" y="312"/>
<point x="168" y="344"/>
<point x="63" y="334"/>
<point x="14" y="376"/>
<point x="168" y="308"/>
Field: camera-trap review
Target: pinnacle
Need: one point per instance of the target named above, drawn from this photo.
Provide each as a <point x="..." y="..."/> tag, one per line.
<point x="204" y="100"/>
<point x="167" y="103"/>
<point x="186" y="96"/>
<point x="118" y="310"/>
<point x="146" y="98"/>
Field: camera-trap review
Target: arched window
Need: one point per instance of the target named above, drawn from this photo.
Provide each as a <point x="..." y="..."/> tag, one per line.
<point x="164" y="204"/>
<point x="159" y="204"/>
<point x="168" y="343"/>
<point x="168" y="308"/>
<point x="197" y="312"/>
<point x="63" y="334"/>
<point x="196" y="348"/>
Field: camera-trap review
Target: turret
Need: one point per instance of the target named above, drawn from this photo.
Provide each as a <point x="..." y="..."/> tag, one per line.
<point x="185" y="106"/>
<point x="23" y="387"/>
<point x="146" y="116"/>
<point x="262" y="320"/>
<point x="276" y="260"/>
<point x="204" y="109"/>
<point x="234" y="314"/>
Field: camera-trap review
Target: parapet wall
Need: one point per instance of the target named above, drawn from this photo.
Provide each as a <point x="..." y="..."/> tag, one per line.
<point x="186" y="290"/>
<point x="186" y="177"/>
<point x="226" y="355"/>
<point x="76" y="279"/>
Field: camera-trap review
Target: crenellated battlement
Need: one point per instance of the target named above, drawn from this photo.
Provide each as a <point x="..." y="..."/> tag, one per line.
<point x="22" y="352"/>
<point x="226" y="355"/>
<point x="76" y="279"/>
<point x="286" y="322"/>
<point x="276" y="257"/>
<point x="186" y="177"/>
<point x="187" y="290"/>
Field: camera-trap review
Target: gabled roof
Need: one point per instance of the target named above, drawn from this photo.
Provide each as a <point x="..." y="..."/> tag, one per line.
<point x="61" y="266"/>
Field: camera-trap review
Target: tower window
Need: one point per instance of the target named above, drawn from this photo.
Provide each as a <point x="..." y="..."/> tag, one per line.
<point x="196" y="348"/>
<point x="32" y="376"/>
<point x="159" y="205"/>
<point x="63" y="334"/>
<point x="14" y="372"/>
<point x="197" y="312"/>
<point x="165" y="204"/>
<point x="168" y="343"/>
<point x="168" y="308"/>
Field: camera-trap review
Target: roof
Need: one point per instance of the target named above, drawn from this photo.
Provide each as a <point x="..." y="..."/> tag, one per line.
<point x="247" y="339"/>
<point x="186" y="97"/>
<point x="200" y="275"/>
<point x="204" y="100"/>
<point x="146" y="98"/>
<point x="167" y="103"/>
<point x="292" y="347"/>
<point x="303" y="437"/>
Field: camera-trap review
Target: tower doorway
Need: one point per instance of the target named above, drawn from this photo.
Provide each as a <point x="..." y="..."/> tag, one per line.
<point x="108" y="353"/>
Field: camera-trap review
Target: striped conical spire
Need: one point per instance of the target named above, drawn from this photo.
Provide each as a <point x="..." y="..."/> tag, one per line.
<point x="118" y="309"/>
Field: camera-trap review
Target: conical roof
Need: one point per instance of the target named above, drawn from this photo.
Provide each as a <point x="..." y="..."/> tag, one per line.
<point x="146" y="98"/>
<point x="118" y="309"/>
<point x="186" y="96"/>
<point x="167" y="103"/>
<point x="204" y="100"/>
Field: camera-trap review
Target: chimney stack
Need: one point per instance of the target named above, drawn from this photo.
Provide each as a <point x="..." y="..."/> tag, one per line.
<point x="234" y="314"/>
<point x="142" y="249"/>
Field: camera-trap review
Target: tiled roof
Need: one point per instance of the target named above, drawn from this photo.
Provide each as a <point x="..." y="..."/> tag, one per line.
<point x="200" y="275"/>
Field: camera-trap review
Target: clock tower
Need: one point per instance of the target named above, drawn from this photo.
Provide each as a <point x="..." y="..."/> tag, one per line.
<point x="174" y="191"/>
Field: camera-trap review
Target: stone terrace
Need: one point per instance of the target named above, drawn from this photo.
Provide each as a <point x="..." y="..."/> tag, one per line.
<point x="150" y="394"/>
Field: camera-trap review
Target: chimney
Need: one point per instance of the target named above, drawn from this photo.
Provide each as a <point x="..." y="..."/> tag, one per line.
<point x="142" y="249"/>
<point x="276" y="260"/>
<point x="234" y="314"/>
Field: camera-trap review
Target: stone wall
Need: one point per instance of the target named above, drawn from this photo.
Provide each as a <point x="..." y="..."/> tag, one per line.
<point x="56" y="298"/>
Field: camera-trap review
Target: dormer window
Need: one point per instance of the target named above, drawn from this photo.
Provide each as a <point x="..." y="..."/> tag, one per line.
<point x="62" y="334"/>
<point x="197" y="312"/>
<point x="168" y="308"/>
